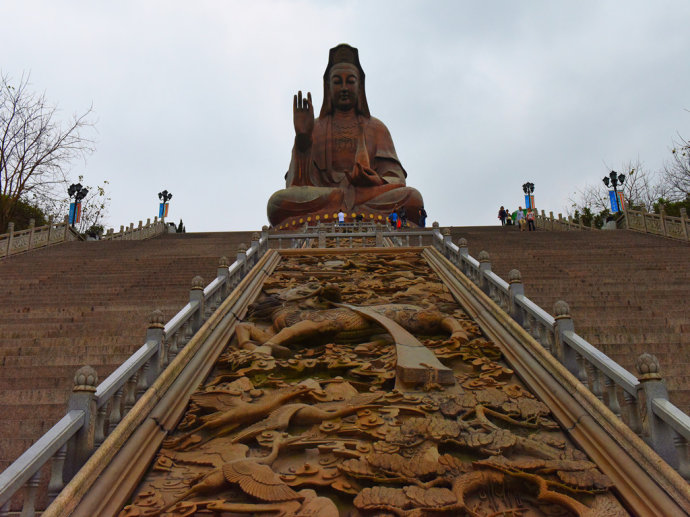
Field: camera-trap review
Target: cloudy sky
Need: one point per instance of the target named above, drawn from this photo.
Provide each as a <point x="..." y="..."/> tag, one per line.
<point x="480" y="97"/>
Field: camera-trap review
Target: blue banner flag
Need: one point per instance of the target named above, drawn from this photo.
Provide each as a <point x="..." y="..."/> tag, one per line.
<point x="614" y="202"/>
<point x="161" y="210"/>
<point x="529" y="201"/>
<point x="72" y="210"/>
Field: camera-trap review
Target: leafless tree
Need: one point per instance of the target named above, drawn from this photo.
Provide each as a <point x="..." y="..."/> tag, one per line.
<point x="641" y="188"/>
<point x="678" y="169"/>
<point x="35" y="147"/>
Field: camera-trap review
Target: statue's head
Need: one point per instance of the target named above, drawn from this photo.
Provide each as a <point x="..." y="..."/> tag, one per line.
<point x="343" y="82"/>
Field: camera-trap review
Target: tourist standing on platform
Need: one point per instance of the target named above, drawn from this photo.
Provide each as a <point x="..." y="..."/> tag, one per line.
<point x="530" y="220"/>
<point x="509" y="218"/>
<point x="403" y="217"/>
<point x="341" y="217"/>
<point x="502" y="215"/>
<point x="520" y="219"/>
<point x="422" y="217"/>
<point x="393" y="219"/>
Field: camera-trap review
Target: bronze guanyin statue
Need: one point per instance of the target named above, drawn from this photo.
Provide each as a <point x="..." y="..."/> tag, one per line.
<point x="343" y="160"/>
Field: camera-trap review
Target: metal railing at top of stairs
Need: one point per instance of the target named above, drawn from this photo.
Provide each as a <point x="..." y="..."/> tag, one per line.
<point x="66" y="445"/>
<point x="645" y="407"/>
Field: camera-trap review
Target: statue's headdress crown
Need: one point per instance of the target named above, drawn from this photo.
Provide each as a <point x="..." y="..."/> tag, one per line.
<point x="344" y="53"/>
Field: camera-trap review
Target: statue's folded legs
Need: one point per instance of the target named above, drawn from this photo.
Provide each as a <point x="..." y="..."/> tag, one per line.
<point x="323" y="203"/>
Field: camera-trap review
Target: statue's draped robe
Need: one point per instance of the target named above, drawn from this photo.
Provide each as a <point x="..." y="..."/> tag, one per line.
<point x="314" y="186"/>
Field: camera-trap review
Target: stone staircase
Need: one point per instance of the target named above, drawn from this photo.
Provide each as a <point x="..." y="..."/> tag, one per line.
<point x="628" y="292"/>
<point x="86" y="303"/>
<point x="89" y="302"/>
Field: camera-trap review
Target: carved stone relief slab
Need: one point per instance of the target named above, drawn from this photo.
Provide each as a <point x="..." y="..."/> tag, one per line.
<point x="307" y="411"/>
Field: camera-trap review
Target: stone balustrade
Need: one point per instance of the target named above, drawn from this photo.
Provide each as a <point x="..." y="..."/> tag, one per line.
<point x="35" y="237"/>
<point x="637" y="220"/>
<point x="660" y="224"/>
<point x="136" y="233"/>
<point x="95" y="410"/>
<point x="641" y="402"/>
<point x="14" y="242"/>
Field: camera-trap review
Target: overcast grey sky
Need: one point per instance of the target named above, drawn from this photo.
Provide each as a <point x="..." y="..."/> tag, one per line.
<point x="480" y="97"/>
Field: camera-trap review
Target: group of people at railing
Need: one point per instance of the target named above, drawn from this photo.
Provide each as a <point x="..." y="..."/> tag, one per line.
<point x="523" y="219"/>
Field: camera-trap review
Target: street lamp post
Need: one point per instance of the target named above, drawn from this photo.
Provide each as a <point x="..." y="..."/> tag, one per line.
<point x="528" y="189"/>
<point x="164" y="196"/>
<point x="614" y="179"/>
<point x="79" y="192"/>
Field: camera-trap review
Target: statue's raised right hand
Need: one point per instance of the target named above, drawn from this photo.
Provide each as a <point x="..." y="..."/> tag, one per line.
<point x="303" y="115"/>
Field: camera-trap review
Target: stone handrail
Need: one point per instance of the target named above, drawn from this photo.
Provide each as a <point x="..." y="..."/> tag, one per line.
<point x="34" y="237"/>
<point x="140" y="232"/>
<point x="95" y="411"/>
<point x="372" y="234"/>
<point x="647" y="410"/>
<point x="660" y="224"/>
<point x="541" y="221"/>
<point x="636" y="220"/>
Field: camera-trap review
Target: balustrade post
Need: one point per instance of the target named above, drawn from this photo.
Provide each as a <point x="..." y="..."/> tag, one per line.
<point x="50" y="229"/>
<point x="566" y="355"/>
<point x="131" y="231"/>
<point x="10" y="238"/>
<point x="656" y="432"/>
<point x="662" y="218"/>
<point x="155" y="334"/>
<point x="196" y="294"/>
<point x="242" y="258"/>
<point x="65" y="223"/>
<point x="255" y="244"/>
<point x="462" y="247"/>
<point x="543" y="219"/>
<point x="551" y="219"/>
<point x="379" y="235"/>
<point x="446" y="237"/>
<point x="83" y="398"/>
<point x="684" y="223"/>
<point x="264" y="235"/>
<point x="484" y="268"/>
<point x="32" y="229"/>
<point x="223" y="273"/>
<point x="322" y="238"/>
<point x="515" y="288"/>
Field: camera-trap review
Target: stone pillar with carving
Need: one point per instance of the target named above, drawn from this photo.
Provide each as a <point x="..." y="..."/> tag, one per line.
<point x="223" y="273"/>
<point x="196" y="294"/>
<point x="154" y="334"/>
<point x="652" y="386"/>
<point x="515" y="288"/>
<point x="565" y="354"/>
<point x="484" y="268"/>
<point x="83" y="398"/>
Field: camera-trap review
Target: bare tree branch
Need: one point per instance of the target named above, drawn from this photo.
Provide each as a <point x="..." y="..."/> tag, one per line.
<point x="36" y="149"/>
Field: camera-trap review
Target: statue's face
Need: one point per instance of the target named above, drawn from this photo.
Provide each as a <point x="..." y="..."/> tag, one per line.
<point x="344" y="85"/>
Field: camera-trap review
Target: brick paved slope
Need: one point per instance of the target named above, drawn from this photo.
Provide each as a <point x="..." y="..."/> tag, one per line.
<point x="86" y="303"/>
<point x="628" y="292"/>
